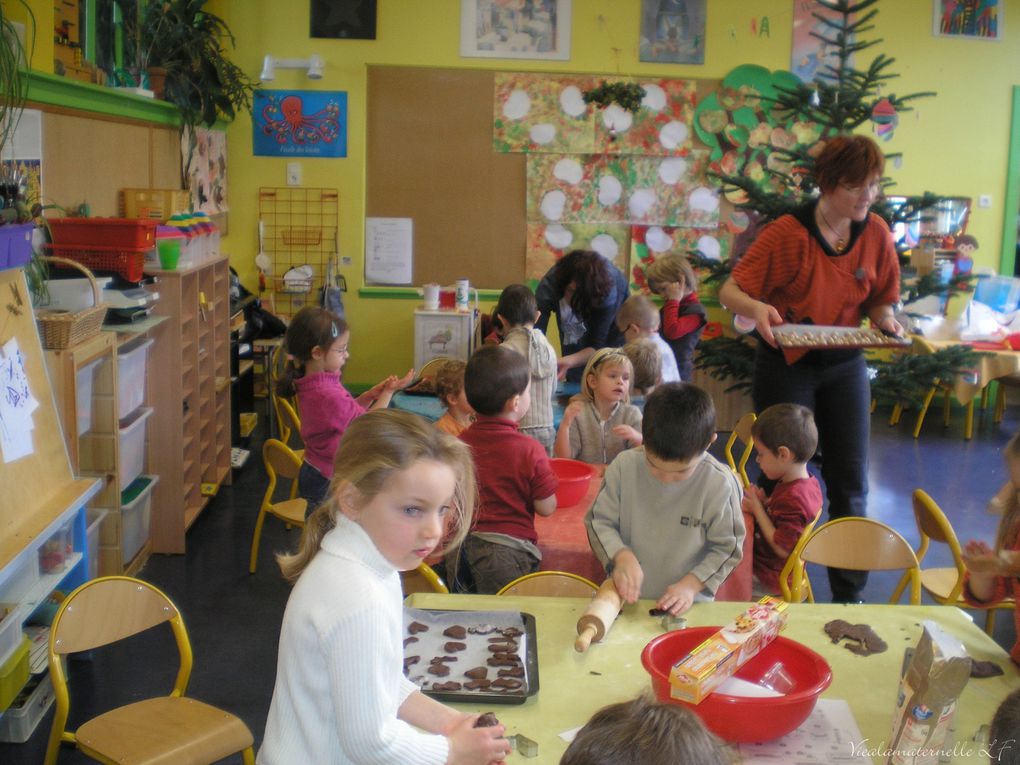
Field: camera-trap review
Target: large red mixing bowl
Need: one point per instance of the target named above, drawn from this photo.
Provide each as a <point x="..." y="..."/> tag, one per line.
<point x="743" y="719"/>
<point x="574" y="479"/>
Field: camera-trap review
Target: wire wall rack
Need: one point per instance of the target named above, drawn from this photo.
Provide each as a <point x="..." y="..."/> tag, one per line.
<point x="299" y="233"/>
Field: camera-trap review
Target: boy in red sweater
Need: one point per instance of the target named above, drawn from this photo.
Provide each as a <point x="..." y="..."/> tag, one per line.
<point x="785" y="438"/>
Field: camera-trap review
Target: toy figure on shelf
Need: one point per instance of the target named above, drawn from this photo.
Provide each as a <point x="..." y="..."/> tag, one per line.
<point x="963" y="263"/>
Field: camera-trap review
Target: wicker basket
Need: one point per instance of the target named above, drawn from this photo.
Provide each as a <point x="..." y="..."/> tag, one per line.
<point x="62" y="329"/>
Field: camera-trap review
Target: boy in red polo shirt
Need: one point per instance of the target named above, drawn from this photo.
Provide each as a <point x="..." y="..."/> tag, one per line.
<point x="515" y="477"/>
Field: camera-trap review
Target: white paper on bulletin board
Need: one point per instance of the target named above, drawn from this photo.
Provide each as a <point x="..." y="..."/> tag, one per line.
<point x="389" y="245"/>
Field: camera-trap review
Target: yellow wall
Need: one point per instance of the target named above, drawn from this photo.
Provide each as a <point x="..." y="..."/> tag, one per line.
<point x="954" y="144"/>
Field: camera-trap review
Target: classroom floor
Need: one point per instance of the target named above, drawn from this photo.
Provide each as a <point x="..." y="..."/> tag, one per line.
<point x="234" y="617"/>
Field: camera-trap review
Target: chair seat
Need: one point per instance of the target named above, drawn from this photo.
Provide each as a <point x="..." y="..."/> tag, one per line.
<point x="939" y="582"/>
<point x="168" y="730"/>
<point x="291" y="510"/>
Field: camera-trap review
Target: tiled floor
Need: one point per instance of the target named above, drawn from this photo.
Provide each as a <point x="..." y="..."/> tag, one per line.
<point x="234" y="617"/>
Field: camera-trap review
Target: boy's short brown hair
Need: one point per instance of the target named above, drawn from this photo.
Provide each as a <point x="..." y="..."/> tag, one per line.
<point x="646" y="359"/>
<point x="670" y="268"/>
<point x="678" y="422"/>
<point x="449" y="380"/>
<point x="495" y="374"/>
<point x="789" y="425"/>
<point x="639" y="311"/>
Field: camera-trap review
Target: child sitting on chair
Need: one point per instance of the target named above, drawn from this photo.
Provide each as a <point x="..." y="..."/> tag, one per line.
<point x="666" y="523"/>
<point x="785" y="438"/>
<point x="637" y="319"/>
<point x="515" y="478"/>
<point x="449" y="385"/>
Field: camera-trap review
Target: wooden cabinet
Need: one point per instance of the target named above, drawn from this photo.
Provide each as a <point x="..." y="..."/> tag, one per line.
<point x="189" y="387"/>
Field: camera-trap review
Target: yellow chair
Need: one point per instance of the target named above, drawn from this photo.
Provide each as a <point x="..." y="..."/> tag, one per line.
<point x="288" y="422"/>
<point x="860" y="544"/>
<point x="742" y="432"/>
<point x="281" y="462"/>
<point x="430" y="368"/>
<point x="553" y="584"/>
<point x="422" y="579"/>
<point x="164" y="729"/>
<point x="920" y="346"/>
<point x="944" y="584"/>
<point x="791" y="572"/>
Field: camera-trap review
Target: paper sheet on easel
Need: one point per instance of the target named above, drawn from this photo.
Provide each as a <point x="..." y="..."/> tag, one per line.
<point x="829" y="735"/>
<point x="16" y="404"/>
<point x="389" y="244"/>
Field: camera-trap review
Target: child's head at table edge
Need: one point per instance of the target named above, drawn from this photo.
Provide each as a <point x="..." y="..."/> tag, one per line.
<point x="496" y="381"/>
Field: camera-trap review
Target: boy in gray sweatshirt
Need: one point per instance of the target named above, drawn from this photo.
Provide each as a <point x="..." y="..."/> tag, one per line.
<point x="667" y="523"/>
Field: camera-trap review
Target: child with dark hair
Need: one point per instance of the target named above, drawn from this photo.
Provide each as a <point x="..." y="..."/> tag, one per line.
<point x="683" y="317"/>
<point x="785" y="438"/>
<point x="667" y="523"/>
<point x="515" y="477"/>
<point x="515" y="314"/>
<point x="449" y="385"/>
<point x="317" y="344"/>
<point x="646" y="732"/>
<point x="1003" y="747"/>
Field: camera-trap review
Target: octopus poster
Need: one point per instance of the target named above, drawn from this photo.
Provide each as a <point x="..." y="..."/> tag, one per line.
<point x="299" y="123"/>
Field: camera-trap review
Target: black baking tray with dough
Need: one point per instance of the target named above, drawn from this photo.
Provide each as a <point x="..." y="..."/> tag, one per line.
<point x="826" y="337"/>
<point x="431" y="643"/>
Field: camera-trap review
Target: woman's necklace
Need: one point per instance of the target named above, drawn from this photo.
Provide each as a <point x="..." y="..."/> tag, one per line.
<point x="840" y="244"/>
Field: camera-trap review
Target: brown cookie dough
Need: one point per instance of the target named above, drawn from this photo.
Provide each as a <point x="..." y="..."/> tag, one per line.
<point x="478" y="673"/>
<point x="509" y="647"/>
<point x="512" y="632"/>
<point x="487" y="720"/>
<point x="443" y="659"/>
<point x="457" y="632"/>
<point x="439" y="670"/>
<point x="449" y="685"/>
<point x="452" y="647"/>
<point x="410" y="661"/>
<point x="511" y="672"/>
<point x="478" y="684"/>
<point x="409" y="640"/>
<point x="415" y="627"/>
<point x="497" y="662"/>
<point x="982" y="669"/>
<point x="509" y="683"/>
<point x="863" y="640"/>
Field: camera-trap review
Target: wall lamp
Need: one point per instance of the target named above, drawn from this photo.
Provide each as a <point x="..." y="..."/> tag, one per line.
<point x="313" y="64"/>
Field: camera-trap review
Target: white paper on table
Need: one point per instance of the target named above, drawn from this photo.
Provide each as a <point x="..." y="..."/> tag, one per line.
<point x="829" y="735"/>
<point x="570" y="735"/>
<point x="388" y="250"/>
<point x="16" y="404"/>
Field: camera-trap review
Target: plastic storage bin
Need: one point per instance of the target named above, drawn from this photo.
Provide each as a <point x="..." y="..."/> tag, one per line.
<point x="135" y="515"/>
<point x="27" y="710"/>
<point x="131" y="375"/>
<point x="132" y="446"/>
<point x="55" y="551"/>
<point x="15" y="244"/>
<point x="157" y="204"/>
<point x="95" y="517"/>
<point x="1001" y="293"/>
<point x="14" y="673"/>
<point x="11" y="633"/>
<point x="83" y="395"/>
<point x="129" y="233"/>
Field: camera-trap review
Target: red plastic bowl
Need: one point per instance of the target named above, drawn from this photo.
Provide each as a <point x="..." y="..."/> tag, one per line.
<point x="575" y="476"/>
<point x="741" y="719"/>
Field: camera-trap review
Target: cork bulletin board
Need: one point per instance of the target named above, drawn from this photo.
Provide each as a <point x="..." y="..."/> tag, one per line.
<point x="430" y="158"/>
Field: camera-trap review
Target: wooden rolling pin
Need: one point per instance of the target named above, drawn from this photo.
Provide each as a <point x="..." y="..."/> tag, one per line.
<point x="599" y="616"/>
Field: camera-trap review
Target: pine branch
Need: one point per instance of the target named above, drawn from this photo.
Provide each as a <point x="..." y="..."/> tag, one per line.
<point x="727" y="358"/>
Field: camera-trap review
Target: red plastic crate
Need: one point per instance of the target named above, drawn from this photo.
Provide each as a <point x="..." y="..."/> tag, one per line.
<point x="126" y="262"/>
<point x="129" y="233"/>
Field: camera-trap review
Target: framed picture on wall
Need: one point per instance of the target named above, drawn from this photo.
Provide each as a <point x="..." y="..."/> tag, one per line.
<point x="673" y="31"/>
<point x="343" y="19"/>
<point x="977" y="19"/>
<point x="538" y="29"/>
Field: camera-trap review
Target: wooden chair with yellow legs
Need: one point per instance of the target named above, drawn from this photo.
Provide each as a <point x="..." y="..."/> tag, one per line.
<point x="281" y="462"/>
<point x="793" y="572"/>
<point x="860" y="544"/>
<point x="165" y="729"/>
<point x="289" y="422"/>
<point x="741" y="432"/>
<point x="422" y="579"/>
<point x="944" y="584"/>
<point x="553" y="584"/>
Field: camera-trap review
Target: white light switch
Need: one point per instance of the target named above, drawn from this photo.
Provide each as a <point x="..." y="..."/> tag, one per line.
<point x="293" y="173"/>
<point x="985" y="200"/>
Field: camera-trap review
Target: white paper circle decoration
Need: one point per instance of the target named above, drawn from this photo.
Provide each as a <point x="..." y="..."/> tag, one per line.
<point x="610" y="190"/>
<point x="658" y="240"/>
<point x="673" y="134"/>
<point x="709" y="247"/>
<point x="704" y="199"/>
<point x="517" y="105"/>
<point x="572" y="101"/>
<point x="605" y="246"/>
<point x="552" y="205"/>
<point x="641" y="201"/>
<point x="655" y="98"/>
<point x="558" y="237"/>
<point x="569" y="171"/>
<point x="617" y="119"/>
<point x="672" y="170"/>
<point x="542" y="133"/>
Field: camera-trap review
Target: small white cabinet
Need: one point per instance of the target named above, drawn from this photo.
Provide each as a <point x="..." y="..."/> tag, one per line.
<point x="449" y="334"/>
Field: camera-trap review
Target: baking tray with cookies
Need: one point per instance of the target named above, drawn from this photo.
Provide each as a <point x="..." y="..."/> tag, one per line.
<point x="823" y="336"/>
<point x="475" y="657"/>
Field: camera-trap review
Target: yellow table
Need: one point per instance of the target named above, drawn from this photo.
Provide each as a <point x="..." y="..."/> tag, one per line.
<point x="573" y="685"/>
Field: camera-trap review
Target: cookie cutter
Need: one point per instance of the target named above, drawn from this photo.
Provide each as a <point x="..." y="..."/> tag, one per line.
<point x="523" y="745"/>
<point x="670" y="622"/>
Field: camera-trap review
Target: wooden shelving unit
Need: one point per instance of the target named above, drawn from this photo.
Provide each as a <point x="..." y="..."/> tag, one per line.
<point x="190" y="429"/>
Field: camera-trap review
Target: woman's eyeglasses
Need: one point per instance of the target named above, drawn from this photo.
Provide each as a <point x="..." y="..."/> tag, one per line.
<point x="858" y="189"/>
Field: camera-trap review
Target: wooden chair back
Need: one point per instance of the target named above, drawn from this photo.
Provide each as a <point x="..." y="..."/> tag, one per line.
<point x="288" y="421"/>
<point x="793" y="585"/>
<point x="558" y="584"/>
<point x="280" y="462"/>
<point x="422" y="579"/>
<point x="741" y="432"/>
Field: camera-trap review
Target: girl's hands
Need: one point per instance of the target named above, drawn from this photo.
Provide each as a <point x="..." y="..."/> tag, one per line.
<point x="980" y="558"/>
<point x="574" y="408"/>
<point x="476" y="746"/>
<point x="393" y="383"/>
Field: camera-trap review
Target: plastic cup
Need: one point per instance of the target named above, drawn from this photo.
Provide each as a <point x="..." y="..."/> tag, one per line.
<point x="169" y="253"/>
<point x="431" y="294"/>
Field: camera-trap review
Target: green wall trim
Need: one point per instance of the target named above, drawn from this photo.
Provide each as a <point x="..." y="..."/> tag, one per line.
<point x="54" y="90"/>
<point x="1007" y="256"/>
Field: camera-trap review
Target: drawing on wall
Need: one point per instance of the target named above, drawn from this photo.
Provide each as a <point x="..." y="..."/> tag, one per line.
<point x="16" y="404"/>
<point x="207" y="170"/>
<point x="299" y="123"/>
<point x="809" y="55"/>
<point x="979" y="19"/>
<point x="547" y="243"/>
<point x="343" y="19"/>
<point x="673" y="31"/>
<point x="537" y="29"/>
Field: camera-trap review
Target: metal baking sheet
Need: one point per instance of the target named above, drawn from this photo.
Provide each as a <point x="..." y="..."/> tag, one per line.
<point x="430" y="644"/>
<point x="821" y="336"/>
